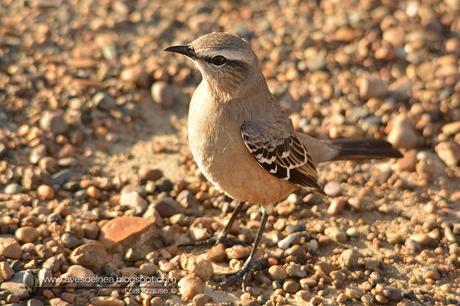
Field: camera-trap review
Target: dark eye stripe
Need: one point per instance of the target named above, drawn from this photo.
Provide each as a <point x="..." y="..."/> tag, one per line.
<point x="234" y="63"/>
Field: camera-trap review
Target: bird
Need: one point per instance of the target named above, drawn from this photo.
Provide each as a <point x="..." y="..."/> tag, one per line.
<point x="243" y="141"/>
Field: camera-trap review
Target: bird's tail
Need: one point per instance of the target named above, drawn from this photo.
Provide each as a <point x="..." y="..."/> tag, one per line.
<point x="357" y="149"/>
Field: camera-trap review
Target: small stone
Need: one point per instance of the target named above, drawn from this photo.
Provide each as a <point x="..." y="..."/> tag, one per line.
<point x="78" y="273"/>
<point x="135" y="75"/>
<point x="341" y="298"/>
<point x="422" y="238"/>
<point x="332" y="189"/>
<point x="448" y="152"/>
<point x="401" y="89"/>
<point x="167" y="207"/>
<point x="2" y="150"/>
<point x="381" y="299"/>
<point x="148" y="268"/>
<point x="93" y="192"/>
<point x="295" y="270"/>
<point x="402" y="134"/>
<point x="291" y="286"/>
<point x="373" y="87"/>
<point x="186" y="199"/>
<point x="354" y="292"/>
<point x="335" y="234"/>
<point x="408" y="162"/>
<point x="35" y="302"/>
<point x="106" y="301"/>
<point x="69" y="240"/>
<point x="298" y="253"/>
<point x="6" y="272"/>
<point x="394" y="237"/>
<point x="324" y="267"/>
<point x="163" y="94"/>
<point x="237" y="252"/>
<point x="58" y="302"/>
<point x="285" y="208"/>
<point x="277" y="272"/>
<point x="90" y="255"/>
<point x="432" y="274"/>
<point x="337" y="206"/>
<point x="199" y="233"/>
<point x="54" y="122"/>
<point x="285" y="243"/>
<point x="190" y="286"/>
<point x="15" y="288"/>
<point x="451" y="128"/>
<point x="37" y="153"/>
<point x="392" y="293"/>
<point x="45" y="192"/>
<point x="129" y="232"/>
<point x="133" y="200"/>
<point x="26" y="234"/>
<point x="150" y="174"/>
<point x="9" y="247"/>
<point x="201" y="300"/>
<point x="199" y="266"/>
<point x="216" y="253"/>
<point x="103" y="101"/>
<point x="349" y="258"/>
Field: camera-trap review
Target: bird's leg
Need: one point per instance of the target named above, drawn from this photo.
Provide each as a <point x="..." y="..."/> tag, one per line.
<point x="222" y="237"/>
<point x="250" y="264"/>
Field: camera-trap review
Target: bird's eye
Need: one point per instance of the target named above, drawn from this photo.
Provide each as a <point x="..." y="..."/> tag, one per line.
<point x="218" y="60"/>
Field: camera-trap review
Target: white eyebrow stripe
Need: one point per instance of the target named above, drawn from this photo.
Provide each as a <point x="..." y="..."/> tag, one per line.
<point x="232" y="55"/>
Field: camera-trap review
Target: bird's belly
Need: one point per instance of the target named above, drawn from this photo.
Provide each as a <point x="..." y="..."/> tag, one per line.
<point x="231" y="168"/>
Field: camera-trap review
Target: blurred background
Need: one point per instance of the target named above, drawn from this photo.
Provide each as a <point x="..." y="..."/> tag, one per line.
<point x="93" y="131"/>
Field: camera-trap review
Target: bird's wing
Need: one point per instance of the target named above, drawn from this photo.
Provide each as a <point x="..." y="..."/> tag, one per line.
<point x="277" y="149"/>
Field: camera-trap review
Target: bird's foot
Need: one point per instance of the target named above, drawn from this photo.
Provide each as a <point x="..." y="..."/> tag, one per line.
<point x="242" y="276"/>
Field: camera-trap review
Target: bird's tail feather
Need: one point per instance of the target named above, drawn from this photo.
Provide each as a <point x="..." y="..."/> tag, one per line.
<point x="357" y="149"/>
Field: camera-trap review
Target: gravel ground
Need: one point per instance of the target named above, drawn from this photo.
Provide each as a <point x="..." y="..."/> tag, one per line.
<point x="96" y="178"/>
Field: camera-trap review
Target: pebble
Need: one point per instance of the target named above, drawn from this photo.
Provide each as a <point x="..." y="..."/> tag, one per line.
<point x="15" y="288"/>
<point x="373" y="87"/>
<point x="104" y="101"/>
<point x="354" y="292"/>
<point x="45" y="192"/>
<point x="448" y="152"/>
<point x="337" y="206"/>
<point x="332" y="188"/>
<point x="335" y="234"/>
<point x="35" y="302"/>
<point x="90" y="255"/>
<point x="167" y="207"/>
<point x="9" y="247"/>
<point x="277" y="272"/>
<point x="286" y="242"/>
<point x="237" y="252"/>
<point x="6" y="272"/>
<point x="186" y="199"/>
<point x="106" y="301"/>
<point x="163" y="94"/>
<point x="216" y="253"/>
<point x="129" y="232"/>
<point x="26" y="234"/>
<point x="349" y="258"/>
<point x="291" y="286"/>
<point x="54" y="122"/>
<point x="190" y="286"/>
<point x="392" y="293"/>
<point x="199" y="266"/>
<point x="148" y="268"/>
<point x="133" y="200"/>
<point x="402" y="134"/>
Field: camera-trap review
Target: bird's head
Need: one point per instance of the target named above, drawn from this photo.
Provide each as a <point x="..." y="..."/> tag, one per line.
<point x="225" y="61"/>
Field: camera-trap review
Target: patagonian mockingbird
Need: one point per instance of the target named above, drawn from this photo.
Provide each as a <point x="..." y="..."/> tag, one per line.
<point x="242" y="140"/>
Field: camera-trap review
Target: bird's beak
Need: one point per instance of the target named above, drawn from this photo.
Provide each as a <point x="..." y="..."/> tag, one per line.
<point x="185" y="50"/>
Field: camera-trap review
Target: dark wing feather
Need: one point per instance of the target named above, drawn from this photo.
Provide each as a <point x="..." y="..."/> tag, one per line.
<point x="278" y="150"/>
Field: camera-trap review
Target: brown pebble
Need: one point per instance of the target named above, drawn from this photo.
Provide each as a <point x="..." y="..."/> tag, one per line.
<point x="45" y="192"/>
<point x="93" y="192"/>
